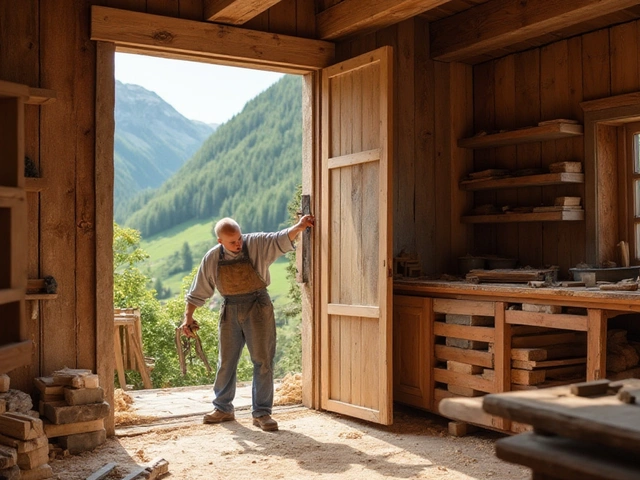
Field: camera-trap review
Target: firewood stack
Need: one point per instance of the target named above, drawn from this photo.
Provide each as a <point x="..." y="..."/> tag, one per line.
<point x="24" y="447"/>
<point x="72" y="404"/>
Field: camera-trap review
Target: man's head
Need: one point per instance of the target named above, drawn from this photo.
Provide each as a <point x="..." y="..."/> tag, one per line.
<point x="229" y="235"/>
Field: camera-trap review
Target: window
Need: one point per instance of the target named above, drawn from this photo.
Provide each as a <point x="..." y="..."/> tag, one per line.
<point x="632" y="144"/>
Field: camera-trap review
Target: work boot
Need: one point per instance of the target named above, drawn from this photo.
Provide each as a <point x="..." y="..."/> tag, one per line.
<point x="218" y="416"/>
<point x="266" y="423"/>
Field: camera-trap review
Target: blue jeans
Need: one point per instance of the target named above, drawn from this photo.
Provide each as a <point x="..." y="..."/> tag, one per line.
<point x="246" y="319"/>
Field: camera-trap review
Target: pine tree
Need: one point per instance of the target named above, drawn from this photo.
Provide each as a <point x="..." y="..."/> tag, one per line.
<point x="187" y="258"/>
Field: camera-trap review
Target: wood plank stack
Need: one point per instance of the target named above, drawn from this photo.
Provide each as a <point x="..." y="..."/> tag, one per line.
<point x="73" y="405"/>
<point x="24" y="448"/>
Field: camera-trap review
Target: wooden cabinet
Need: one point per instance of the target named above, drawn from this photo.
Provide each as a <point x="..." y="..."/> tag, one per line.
<point x="15" y="347"/>
<point x="548" y="131"/>
<point x="412" y="350"/>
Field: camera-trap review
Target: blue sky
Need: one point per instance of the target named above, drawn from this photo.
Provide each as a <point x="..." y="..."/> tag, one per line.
<point x="199" y="91"/>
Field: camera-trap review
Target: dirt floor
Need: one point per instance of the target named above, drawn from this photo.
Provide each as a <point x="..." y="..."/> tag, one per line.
<point x="309" y="444"/>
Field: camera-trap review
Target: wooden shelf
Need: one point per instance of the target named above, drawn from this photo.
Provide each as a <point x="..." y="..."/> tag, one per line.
<point x="551" y="131"/>
<point x="562" y="216"/>
<point x="11" y="193"/>
<point x="10" y="295"/>
<point x="41" y="296"/>
<point x="35" y="184"/>
<point x="14" y="355"/>
<point x="524" y="181"/>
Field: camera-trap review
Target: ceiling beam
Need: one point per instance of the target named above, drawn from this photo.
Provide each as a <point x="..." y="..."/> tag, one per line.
<point x="359" y="16"/>
<point x="235" y="12"/>
<point x="170" y="37"/>
<point x="500" y="23"/>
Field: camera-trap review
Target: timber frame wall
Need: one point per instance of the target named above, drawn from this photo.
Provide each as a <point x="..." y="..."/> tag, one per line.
<point x="44" y="45"/>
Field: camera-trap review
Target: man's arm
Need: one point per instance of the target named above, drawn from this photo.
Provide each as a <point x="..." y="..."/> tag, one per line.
<point x="304" y="222"/>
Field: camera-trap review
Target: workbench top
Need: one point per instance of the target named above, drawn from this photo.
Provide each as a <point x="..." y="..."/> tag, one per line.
<point x="588" y="297"/>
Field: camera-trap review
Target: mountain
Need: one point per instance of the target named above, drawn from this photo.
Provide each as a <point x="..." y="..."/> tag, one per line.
<point x="152" y="141"/>
<point x="248" y="169"/>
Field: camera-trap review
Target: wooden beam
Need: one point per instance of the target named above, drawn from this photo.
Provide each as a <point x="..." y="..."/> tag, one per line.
<point x="500" y="23"/>
<point x="235" y="12"/>
<point x="143" y="33"/>
<point x="358" y="16"/>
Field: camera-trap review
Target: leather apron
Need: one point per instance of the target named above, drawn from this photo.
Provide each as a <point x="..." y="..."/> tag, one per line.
<point x="238" y="276"/>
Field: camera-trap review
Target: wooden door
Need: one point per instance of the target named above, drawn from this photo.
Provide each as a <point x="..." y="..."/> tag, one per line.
<point x="356" y="238"/>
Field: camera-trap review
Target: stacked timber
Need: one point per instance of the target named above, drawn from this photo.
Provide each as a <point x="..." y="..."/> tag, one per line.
<point x="24" y="448"/>
<point x="622" y="356"/>
<point x="72" y="402"/>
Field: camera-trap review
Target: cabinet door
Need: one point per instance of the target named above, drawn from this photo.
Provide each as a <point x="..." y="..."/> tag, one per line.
<point x="412" y="350"/>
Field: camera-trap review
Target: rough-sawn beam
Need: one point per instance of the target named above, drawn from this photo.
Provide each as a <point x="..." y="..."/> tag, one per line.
<point x="357" y="16"/>
<point x="500" y="23"/>
<point x="235" y="12"/>
<point x="172" y="37"/>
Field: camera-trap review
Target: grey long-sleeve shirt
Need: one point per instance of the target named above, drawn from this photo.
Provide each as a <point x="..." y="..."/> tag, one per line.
<point x="263" y="248"/>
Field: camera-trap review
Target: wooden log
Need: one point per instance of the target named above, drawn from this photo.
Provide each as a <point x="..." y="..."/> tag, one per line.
<point x="46" y="386"/>
<point x="52" y="430"/>
<point x="83" y="396"/>
<point x="34" y="458"/>
<point x="22" y="446"/>
<point x="83" y="442"/>
<point x="60" y="414"/>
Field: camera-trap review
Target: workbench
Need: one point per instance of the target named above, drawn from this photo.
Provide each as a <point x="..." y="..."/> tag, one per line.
<point x="498" y="347"/>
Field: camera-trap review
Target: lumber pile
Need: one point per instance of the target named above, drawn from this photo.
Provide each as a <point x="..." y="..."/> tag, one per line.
<point x="24" y="448"/>
<point x="72" y="404"/>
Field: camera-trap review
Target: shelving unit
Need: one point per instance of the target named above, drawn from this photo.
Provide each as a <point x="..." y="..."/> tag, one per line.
<point x="15" y="347"/>
<point x="551" y="131"/>
<point x="560" y="216"/>
<point x="524" y="181"/>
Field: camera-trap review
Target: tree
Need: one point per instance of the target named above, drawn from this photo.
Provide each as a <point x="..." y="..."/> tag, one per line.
<point x="187" y="258"/>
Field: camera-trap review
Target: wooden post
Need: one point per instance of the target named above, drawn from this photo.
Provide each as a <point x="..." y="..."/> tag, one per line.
<point x="596" y="344"/>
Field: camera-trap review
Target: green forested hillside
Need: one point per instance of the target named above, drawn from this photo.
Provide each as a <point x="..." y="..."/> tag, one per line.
<point x="248" y="169"/>
<point x="151" y="142"/>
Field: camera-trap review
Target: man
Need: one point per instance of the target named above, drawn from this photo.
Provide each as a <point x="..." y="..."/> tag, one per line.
<point x="239" y="268"/>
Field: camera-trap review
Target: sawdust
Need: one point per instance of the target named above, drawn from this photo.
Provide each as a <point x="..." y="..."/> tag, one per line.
<point x="309" y="444"/>
<point x="289" y="392"/>
<point x="123" y="412"/>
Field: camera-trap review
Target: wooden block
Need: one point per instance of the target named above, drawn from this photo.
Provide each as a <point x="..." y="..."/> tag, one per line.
<point x="532" y="307"/>
<point x="467" y="344"/>
<point x="571" y="167"/>
<point x="51" y="398"/>
<point x="157" y="467"/>
<point x="464" y="391"/>
<point x="34" y="458"/>
<point x="22" y="446"/>
<point x="83" y="396"/>
<point x="551" y="352"/>
<point x="8" y="457"/>
<point x="619" y="287"/>
<point x="4" y="383"/>
<point x="460" y="429"/>
<point x="52" y="430"/>
<point x="75" y="377"/>
<point x="83" y="442"/>
<point x="527" y="377"/>
<point x="91" y="381"/>
<point x="567" y="201"/>
<point x="3" y="405"/>
<point x="548" y="340"/>
<point x="46" y="386"/>
<point x="475" y="320"/>
<point x="11" y="473"/>
<point x="534" y="364"/>
<point x="103" y="472"/>
<point x="60" y="414"/>
<point x="463" y="367"/>
<point x="20" y="426"/>
<point x="40" y="473"/>
<point x="589" y="389"/>
<point x="629" y="395"/>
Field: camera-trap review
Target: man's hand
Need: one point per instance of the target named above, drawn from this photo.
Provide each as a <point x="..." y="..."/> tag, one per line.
<point x="304" y="222"/>
<point x="189" y="326"/>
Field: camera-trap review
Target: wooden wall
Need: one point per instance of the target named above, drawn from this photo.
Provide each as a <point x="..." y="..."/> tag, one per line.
<point x="432" y="108"/>
<point x="541" y="84"/>
<point x="45" y="45"/>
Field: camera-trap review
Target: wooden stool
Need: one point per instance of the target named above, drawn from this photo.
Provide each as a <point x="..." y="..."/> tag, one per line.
<point x="127" y="338"/>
